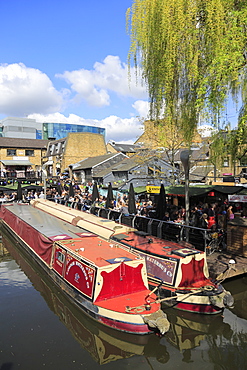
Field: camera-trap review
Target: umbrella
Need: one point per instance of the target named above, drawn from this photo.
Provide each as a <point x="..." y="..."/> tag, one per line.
<point x="109" y="197"/>
<point x="19" y="191"/>
<point x="95" y="193"/>
<point x="161" y="203"/>
<point x="71" y="190"/>
<point x="131" y="200"/>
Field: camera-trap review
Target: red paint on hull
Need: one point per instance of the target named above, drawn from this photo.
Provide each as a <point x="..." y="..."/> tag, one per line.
<point x="124" y="326"/>
<point x="198" y="308"/>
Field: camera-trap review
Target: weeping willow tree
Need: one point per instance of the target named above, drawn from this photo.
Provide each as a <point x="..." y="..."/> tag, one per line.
<point x="192" y="54"/>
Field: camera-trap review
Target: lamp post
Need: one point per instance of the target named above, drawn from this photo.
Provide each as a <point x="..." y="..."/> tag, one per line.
<point x="184" y="156"/>
<point x="44" y="177"/>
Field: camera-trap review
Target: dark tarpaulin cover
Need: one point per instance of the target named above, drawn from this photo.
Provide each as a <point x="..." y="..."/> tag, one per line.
<point x="36" y="241"/>
<point x="194" y="191"/>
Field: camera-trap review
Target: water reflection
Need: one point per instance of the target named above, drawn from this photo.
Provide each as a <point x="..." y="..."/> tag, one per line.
<point x="188" y="329"/>
<point x="240" y="296"/>
<point x="208" y="342"/>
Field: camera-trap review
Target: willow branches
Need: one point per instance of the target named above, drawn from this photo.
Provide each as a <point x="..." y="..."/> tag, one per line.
<point x="191" y="54"/>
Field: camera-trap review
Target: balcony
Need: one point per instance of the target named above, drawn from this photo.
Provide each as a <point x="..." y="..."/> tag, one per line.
<point x="21" y="174"/>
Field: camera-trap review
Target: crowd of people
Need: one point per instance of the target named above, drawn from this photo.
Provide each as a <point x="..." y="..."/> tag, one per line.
<point x="201" y="215"/>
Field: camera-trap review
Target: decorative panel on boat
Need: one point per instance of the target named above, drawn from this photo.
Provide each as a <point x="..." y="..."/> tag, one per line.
<point x="162" y="269"/>
<point x="80" y="275"/>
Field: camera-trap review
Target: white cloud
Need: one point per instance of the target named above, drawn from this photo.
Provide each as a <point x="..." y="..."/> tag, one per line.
<point x="26" y="90"/>
<point x="142" y="107"/>
<point x="29" y="92"/>
<point x="206" y="130"/>
<point x="94" y="86"/>
<point x="124" y="130"/>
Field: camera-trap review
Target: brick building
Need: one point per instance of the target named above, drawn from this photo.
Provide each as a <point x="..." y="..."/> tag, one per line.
<point x="72" y="149"/>
<point x="21" y="158"/>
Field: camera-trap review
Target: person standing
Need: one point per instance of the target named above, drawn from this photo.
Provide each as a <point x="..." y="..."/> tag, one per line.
<point x="204" y="221"/>
<point x="211" y="216"/>
<point x="230" y="214"/>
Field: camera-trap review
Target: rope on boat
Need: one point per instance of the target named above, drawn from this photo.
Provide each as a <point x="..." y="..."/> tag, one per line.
<point x="205" y="287"/>
<point x="223" y="275"/>
<point x="137" y="309"/>
<point x="142" y="308"/>
<point x="147" y="306"/>
<point x="175" y="296"/>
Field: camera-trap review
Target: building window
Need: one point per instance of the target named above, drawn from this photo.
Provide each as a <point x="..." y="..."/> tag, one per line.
<point x="226" y="162"/>
<point x="29" y="152"/>
<point x="11" y="152"/>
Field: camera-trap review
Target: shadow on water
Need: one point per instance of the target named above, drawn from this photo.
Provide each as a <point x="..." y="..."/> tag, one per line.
<point x="208" y="342"/>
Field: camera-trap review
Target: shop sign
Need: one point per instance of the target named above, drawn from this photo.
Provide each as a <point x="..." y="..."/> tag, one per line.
<point x="153" y="189"/>
<point x="237" y="198"/>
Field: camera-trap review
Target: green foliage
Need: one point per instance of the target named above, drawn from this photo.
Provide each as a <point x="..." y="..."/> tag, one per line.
<point x="231" y="144"/>
<point x="219" y="148"/>
<point x="191" y="54"/>
<point x="238" y="140"/>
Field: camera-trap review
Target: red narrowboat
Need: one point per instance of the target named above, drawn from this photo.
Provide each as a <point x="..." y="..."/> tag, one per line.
<point x="179" y="272"/>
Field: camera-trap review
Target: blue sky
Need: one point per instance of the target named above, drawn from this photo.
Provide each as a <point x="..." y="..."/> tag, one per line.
<point x="66" y="61"/>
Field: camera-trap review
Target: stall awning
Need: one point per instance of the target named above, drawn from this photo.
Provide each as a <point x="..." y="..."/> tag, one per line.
<point x="16" y="163"/>
<point x="48" y="163"/>
<point x="202" y="190"/>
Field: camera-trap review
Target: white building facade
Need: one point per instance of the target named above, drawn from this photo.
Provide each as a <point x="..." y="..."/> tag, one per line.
<point x="23" y="128"/>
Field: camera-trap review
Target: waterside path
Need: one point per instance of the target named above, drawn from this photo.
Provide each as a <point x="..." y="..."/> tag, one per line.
<point x="220" y="263"/>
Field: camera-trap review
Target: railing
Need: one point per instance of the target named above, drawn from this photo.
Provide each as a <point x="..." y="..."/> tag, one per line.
<point x="171" y="231"/>
<point x="9" y="175"/>
<point x="33" y="176"/>
<point x="162" y="229"/>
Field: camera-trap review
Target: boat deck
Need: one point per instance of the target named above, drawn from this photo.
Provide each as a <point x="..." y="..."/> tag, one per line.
<point x="128" y="301"/>
<point x="98" y="251"/>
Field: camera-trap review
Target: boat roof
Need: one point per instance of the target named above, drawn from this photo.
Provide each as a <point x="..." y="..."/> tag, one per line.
<point x="102" y="227"/>
<point x="98" y="251"/>
<point x="81" y="242"/>
<point x="46" y="224"/>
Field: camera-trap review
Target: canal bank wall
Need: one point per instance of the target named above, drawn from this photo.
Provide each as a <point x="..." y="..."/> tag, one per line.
<point x="225" y="265"/>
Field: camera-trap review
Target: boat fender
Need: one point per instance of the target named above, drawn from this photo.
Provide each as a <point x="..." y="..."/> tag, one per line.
<point x="228" y="300"/>
<point x="157" y="320"/>
<point x="217" y="301"/>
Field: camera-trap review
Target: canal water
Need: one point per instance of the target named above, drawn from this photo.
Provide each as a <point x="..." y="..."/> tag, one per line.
<point x="41" y="329"/>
